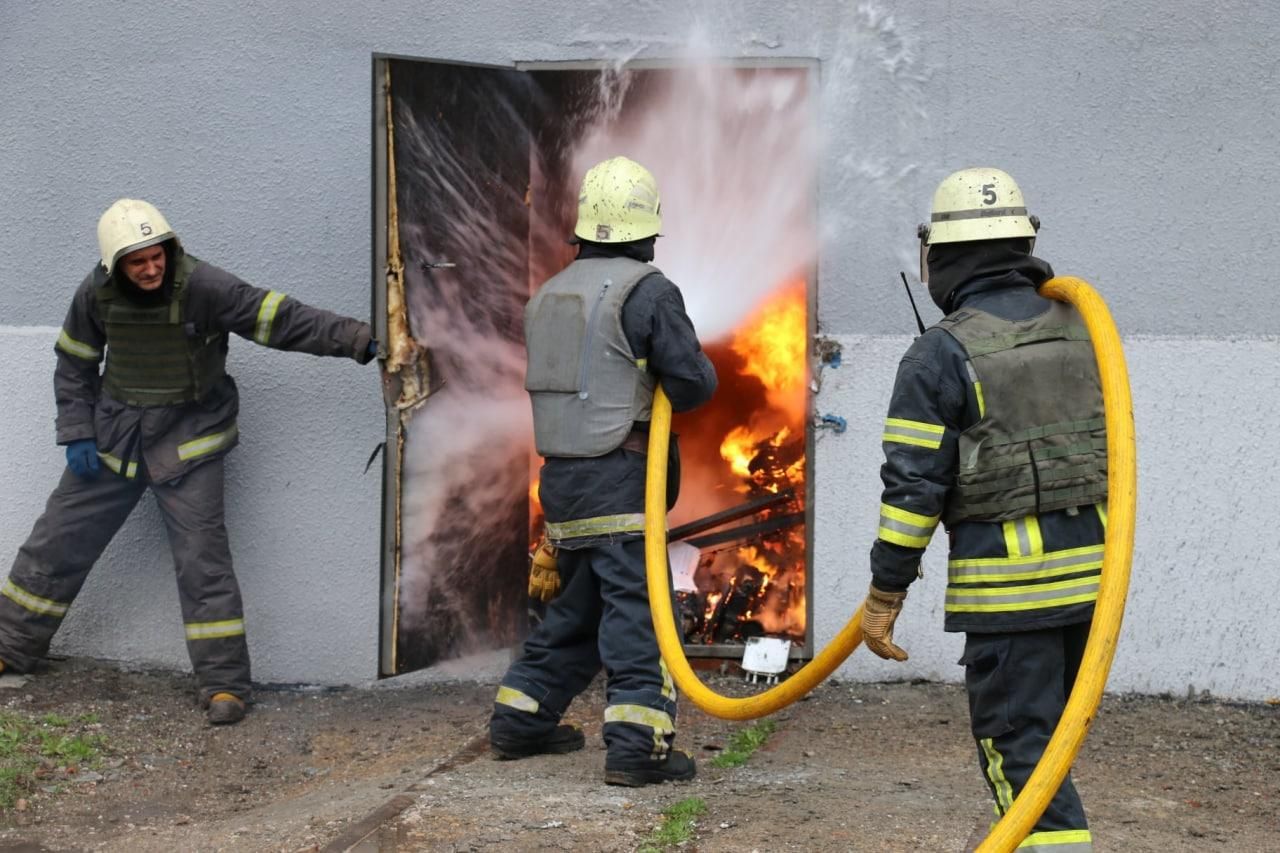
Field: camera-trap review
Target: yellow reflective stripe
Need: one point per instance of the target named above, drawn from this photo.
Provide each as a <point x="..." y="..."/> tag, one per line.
<point x="214" y="630"/>
<point x="659" y="721"/>
<point x="267" y="316"/>
<point x="631" y="522"/>
<point x="115" y="463"/>
<point x="1013" y="598"/>
<point x="917" y="433"/>
<point x="31" y="601"/>
<point x="1102" y="514"/>
<point x="642" y="363"/>
<point x="995" y="772"/>
<point x="513" y="698"/>
<point x="1032" y="525"/>
<point x="1032" y="567"/>
<point x="903" y="527"/>
<point x="977" y="389"/>
<point x="668" y="686"/>
<point x="70" y="345"/>
<point x="1022" y="537"/>
<point x="1011" y="546"/>
<point x="1053" y="841"/>
<point x="206" y="444"/>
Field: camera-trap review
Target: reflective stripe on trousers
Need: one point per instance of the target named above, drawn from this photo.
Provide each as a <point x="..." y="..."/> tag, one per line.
<point x="214" y="630"/>
<point x="1058" y="841"/>
<point x="513" y="698"/>
<point x="29" y="600"/>
<point x="658" y="722"/>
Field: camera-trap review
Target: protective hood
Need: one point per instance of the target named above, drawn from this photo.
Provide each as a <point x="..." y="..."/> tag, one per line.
<point x="636" y="250"/>
<point x="953" y="265"/>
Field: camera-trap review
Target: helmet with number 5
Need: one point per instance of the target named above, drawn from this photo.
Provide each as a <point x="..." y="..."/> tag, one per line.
<point x="975" y="204"/>
<point x="128" y="225"/>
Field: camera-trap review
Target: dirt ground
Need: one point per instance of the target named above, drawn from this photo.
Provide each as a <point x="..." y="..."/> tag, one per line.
<point x="393" y="768"/>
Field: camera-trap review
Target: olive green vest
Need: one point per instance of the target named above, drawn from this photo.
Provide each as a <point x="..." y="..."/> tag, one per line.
<point x="1041" y="442"/>
<point x="154" y="355"/>
<point x="586" y="386"/>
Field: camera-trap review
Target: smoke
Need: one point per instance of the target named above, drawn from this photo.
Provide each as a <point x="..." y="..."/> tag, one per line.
<point x="733" y="152"/>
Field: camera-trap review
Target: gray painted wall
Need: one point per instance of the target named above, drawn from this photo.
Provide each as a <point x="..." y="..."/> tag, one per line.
<point x="1142" y="133"/>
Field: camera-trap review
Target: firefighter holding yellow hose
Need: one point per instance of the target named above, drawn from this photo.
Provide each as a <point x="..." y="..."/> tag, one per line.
<point x="996" y="428"/>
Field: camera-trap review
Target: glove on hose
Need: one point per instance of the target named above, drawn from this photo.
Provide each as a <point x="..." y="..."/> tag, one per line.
<point x="879" y="612"/>
<point x="82" y="458"/>
<point x="544" y="577"/>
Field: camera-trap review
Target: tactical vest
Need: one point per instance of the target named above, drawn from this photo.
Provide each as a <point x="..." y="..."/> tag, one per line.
<point x="586" y="386"/>
<point x="1041" y="442"/>
<point x="155" y="357"/>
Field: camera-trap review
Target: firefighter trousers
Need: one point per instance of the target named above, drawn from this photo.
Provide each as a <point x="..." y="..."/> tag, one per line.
<point x="80" y="519"/>
<point x="601" y="616"/>
<point x="1018" y="684"/>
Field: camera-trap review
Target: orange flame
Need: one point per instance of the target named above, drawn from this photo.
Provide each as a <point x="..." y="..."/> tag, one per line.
<point x="772" y="343"/>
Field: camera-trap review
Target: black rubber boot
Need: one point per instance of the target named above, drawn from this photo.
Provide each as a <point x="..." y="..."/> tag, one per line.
<point x="563" y="738"/>
<point x="675" y="767"/>
<point x="225" y="709"/>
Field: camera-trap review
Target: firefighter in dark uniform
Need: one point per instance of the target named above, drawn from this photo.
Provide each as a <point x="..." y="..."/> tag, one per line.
<point x="600" y="335"/>
<point x="161" y="415"/>
<point x="996" y="429"/>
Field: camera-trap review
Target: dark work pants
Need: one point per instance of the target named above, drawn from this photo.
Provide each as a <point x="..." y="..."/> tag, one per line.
<point x="79" y="521"/>
<point x="1018" y="684"/>
<point x="601" y="616"/>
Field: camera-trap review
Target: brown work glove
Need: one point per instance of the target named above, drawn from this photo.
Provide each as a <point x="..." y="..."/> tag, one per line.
<point x="879" y="612"/>
<point x="544" y="577"/>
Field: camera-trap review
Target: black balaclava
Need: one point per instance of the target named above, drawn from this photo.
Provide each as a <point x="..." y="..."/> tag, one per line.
<point x="162" y="294"/>
<point x="953" y="265"/>
<point x="636" y="250"/>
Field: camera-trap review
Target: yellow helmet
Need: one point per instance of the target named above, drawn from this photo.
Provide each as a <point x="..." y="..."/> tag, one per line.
<point x="975" y="204"/>
<point x="128" y="225"/>
<point x="618" y="203"/>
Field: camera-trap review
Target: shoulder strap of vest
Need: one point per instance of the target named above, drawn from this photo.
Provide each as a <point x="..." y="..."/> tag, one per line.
<point x="982" y="333"/>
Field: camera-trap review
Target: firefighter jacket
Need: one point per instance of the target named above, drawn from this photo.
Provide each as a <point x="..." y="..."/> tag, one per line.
<point x="187" y="335"/>
<point x="593" y="499"/>
<point x="1021" y="558"/>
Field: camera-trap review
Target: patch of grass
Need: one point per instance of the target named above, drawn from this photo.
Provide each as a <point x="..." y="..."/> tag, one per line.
<point x="27" y="743"/>
<point x="677" y="826"/>
<point x="744" y="743"/>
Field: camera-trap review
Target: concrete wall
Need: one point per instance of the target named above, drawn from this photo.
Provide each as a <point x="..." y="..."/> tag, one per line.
<point x="1142" y="133"/>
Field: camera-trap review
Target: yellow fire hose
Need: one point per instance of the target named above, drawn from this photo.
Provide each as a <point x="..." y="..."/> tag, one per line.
<point x="1113" y="585"/>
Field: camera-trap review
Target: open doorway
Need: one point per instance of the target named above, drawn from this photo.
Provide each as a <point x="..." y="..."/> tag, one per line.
<point x="476" y="175"/>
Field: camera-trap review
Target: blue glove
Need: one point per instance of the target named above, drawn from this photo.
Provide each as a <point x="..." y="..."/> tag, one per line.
<point x="82" y="458"/>
<point x="373" y="349"/>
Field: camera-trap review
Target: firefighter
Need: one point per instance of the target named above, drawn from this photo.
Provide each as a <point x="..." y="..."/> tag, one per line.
<point x="996" y="429"/>
<point x="600" y="335"/>
<point x="161" y="415"/>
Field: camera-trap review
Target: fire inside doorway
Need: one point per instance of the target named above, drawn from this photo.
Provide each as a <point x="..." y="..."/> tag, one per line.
<point x="476" y="177"/>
